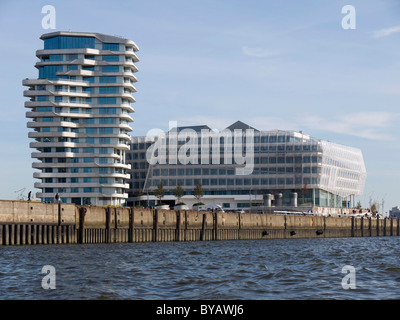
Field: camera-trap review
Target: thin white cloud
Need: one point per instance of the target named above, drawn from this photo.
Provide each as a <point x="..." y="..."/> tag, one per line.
<point x="367" y="125"/>
<point x="376" y="126"/>
<point x="385" y="32"/>
<point x="259" y="52"/>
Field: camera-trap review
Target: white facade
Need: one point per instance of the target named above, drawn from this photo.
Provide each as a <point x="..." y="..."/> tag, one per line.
<point x="283" y="164"/>
<point x="80" y="109"/>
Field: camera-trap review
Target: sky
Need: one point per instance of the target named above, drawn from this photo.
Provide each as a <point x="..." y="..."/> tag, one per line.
<point x="288" y="65"/>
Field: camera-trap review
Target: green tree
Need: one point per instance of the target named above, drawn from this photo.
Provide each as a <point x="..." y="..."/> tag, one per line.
<point x="179" y="192"/>
<point x="198" y="191"/>
<point x="159" y="192"/>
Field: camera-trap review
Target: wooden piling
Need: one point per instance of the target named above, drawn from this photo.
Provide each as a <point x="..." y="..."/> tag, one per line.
<point x="203" y="227"/>
<point x="82" y="213"/>
<point x="155" y="225"/>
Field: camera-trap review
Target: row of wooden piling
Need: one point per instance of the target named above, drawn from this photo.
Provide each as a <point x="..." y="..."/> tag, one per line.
<point x="25" y="234"/>
<point x="80" y="233"/>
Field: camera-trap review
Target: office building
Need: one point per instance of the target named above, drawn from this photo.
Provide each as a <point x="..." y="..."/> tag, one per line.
<point x="282" y="168"/>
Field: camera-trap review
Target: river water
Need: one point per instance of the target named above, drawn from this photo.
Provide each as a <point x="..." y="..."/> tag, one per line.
<point x="301" y="269"/>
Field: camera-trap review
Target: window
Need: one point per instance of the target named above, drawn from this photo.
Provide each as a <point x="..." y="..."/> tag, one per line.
<point x="108" y="90"/>
<point x="88" y="79"/>
<point x="42" y="98"/>
<point x="68" y="42"/>
<point x="103" y="180"/>
<point x="50" y="72"/>
<point x="108" y="79"/>
<point x="106" y="130"/>
<point x="108" y="100"/>
<point x="104" y="140"/>
<point x="111" y="46"/>
<point x="106" y="120"/>
<point x="44" y="109"/>
<point x="110" y="69"/>
<point x="90" y="131"/>
<point x="71" y="57"/>
<point x="108" y="111"/>
<point x="112" y="58"/>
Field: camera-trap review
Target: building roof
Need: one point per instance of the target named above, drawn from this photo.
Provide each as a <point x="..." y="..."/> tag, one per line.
<point x="239" y="125"/>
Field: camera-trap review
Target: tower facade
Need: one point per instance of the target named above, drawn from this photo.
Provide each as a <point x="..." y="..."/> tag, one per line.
<point x="79" y="113"/>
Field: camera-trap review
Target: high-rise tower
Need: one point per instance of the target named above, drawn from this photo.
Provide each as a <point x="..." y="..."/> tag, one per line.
<point x="79" y="111"/>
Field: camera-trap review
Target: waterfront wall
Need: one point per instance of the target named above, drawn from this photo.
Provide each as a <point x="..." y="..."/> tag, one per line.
<point x="23" y="222"/>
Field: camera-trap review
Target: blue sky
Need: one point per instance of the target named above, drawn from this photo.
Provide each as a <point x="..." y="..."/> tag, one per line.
<point x="273" y="64"/>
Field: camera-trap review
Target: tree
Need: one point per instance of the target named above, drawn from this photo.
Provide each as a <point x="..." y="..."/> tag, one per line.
<point x="198" y="191"/>
<point x="159" y="192"/>
<point x="358" y="205"/>
<point x="179" y="192"/>
<point x="373" y="207"/>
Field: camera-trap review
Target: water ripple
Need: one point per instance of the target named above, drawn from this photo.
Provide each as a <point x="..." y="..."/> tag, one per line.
<point x="270" y="269"/>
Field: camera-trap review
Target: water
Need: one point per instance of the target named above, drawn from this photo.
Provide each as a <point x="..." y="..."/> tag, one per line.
<point x="225" y="270"/>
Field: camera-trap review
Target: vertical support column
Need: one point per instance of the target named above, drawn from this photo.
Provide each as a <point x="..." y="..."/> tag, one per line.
<point x="116" y="231"/>
<point x="240" y="226"/>
<point x="178" y="226"/>
<point x="384" y="227"/>
<point x="203" y="228"/>
<point x="17" y="234"/>
<point x="34" y="233"/>
<point x="370" y="226"/>
<point x="155" y="225"/>
<point x="362" y="226"/>
<point x="108" y="225"/>
<point x="1" y="234"/>
<point x="12" y="234"/>
<point x="6" y="234"/>
<point x="391" y="227"/>
<point x="28" y="234"/>
<point x="82" y="213"/>
<point x="352" y="226"/>
<point x="377" y="227"/>
<point x="185" y="232"/>
<point x="131" y="225"/>
<point x="216" y="226"/>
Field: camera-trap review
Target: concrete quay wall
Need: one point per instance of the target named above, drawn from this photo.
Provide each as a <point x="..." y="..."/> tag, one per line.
<point x="23" y="222"/>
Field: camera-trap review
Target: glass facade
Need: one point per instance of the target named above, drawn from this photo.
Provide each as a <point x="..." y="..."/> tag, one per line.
<point x="69" y="42"/>
<point x="320" y="172"/>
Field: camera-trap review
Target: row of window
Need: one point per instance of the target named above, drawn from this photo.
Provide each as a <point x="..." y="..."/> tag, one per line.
<point x="101" y="170"/>
<point x="84" y="190"/>
<point x="83" y="130"/>
<point x="102" y="180"/>
<point x="222" y="172"/>
<point x="80" y="150"/>
<point x="74" y="42"/>
<point x="237" y="182"/>
<point x="79" y="160"/>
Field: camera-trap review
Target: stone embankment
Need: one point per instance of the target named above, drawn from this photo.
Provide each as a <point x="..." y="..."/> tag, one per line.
<point x="26" y="223"/>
